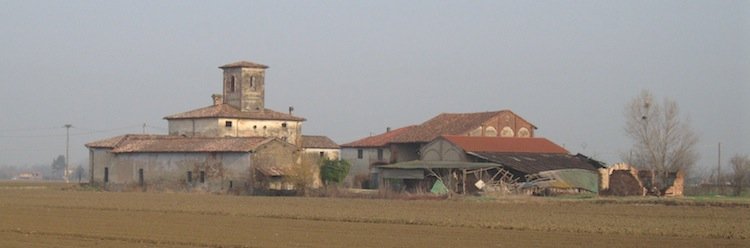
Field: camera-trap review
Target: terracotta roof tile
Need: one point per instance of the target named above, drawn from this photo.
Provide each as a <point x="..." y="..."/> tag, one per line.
<point x="106" y="143"/>
<point x="315" y="141"/>
<point x="448" y="124"/>
<point x="227" y="111"/>
<point x="246" y="64"/>
<point x="510" y="145"/>
<point x="379" y="140"/>
<point x="170" y="143"/>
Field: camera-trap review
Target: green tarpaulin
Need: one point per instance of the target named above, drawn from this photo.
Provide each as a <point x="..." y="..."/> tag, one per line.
<point x="439" y="188"/>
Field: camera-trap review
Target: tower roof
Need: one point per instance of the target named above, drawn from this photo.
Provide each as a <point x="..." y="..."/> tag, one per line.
<point x="243" y="64"/>
<point x="228" y="111"/>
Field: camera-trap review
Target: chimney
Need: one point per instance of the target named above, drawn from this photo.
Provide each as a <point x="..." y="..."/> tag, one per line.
<point x="218" y="99"/>
<point x="387" y="129"/>
<point x="291" y="108"/>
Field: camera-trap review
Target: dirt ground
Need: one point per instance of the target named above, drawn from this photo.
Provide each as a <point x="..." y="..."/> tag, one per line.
<point x="33" y="215"/>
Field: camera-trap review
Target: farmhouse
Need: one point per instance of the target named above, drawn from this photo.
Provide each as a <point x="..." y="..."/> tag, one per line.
<point x="234" y="144"/>
<point x="321" y="146"/>
<point x="404" y="144"/>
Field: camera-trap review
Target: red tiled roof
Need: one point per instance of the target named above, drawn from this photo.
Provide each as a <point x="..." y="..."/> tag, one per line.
<point x="171" y="143"/>
<point x="505" y="145"/>
<point x="245" y="64"/>
<point x="448" y="124"/>
<point x="227" y="111"/>
<point x="379" y="140"/>
<point x="315" y="141"/>
<point x="106" y="143"/>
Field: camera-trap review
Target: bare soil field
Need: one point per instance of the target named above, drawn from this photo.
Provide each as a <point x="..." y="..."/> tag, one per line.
<point x="58" y="215"/>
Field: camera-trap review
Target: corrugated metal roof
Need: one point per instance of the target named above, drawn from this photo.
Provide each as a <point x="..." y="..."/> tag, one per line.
<point x="318" y="141"/>
<point x="245" y="64"/>
<point x="227" y="111"/>
<point x="170" y="143"/>
<point x="500" y="144"/>
<point x="532" y="163"/>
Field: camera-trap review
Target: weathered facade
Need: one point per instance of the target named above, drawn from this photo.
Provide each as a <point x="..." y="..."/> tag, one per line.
<point x="625" y="180"/>
<point x="321" y="146"/>
<point x="240" y="111"/>
<point x="235" y="144"/>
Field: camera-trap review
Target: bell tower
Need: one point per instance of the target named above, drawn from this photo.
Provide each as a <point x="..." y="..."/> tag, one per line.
<point x="244" y="85"/>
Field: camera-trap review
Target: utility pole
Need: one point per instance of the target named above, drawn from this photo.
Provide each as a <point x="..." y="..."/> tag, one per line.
<point x="718" y="172"/>
<point x="67" y="150"/>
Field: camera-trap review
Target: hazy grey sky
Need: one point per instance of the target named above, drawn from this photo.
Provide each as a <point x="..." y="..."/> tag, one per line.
<point x="355" y="67"/>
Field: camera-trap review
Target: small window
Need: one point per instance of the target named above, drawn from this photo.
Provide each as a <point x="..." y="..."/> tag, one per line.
<point x="255" y="127"/>
<point x="380" y="154"/>
<point x="360" y="154"/>
<point x="140" y="177"/>
<point x="202" y="178"/>
<point x="232" y="84"/>
<point x="252" y="82"/>
<point x="283" y="125"/>
<point x="189" y="176"/>
<point x="322" y="154"/>
<point x="228" y="124"/>
<point x="106" y="174"/>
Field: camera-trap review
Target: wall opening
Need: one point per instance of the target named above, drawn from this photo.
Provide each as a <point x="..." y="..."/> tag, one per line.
<point x="106" y="174"/>
<point x="228" y="123"/>
<point x="202" y="178"/>
<point x="140" y="177"/>
<point x="360" y="154"/>
<point x="189" y="176"/>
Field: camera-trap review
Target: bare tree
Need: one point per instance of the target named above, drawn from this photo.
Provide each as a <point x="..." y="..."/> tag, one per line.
<point x="306" y="174"/>
<point x="662" y="142"/>
<point x="741" y="173"/>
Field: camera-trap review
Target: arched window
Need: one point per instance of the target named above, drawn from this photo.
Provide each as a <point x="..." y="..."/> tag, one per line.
<point x="506" y="132"/>
<point x="524" y="132"/>
<point x="490" y="132"/>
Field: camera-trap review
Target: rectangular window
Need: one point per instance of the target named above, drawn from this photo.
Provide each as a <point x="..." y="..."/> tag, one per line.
<point x="106" y="174"/>
<point x="202" y="177"/>
<point x="360" y="155"/>
<point x="322" y="154"/>
<point x="140" y="177"/>
<point x="380" y="154"/>
<point x="189" y="176"/>
<point x="228" y="124"/>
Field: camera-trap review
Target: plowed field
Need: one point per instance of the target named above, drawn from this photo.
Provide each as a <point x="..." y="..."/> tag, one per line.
<point x="39" y="215"/>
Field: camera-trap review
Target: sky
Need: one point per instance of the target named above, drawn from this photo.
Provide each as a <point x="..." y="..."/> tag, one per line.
<point x="353" y="68"/>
